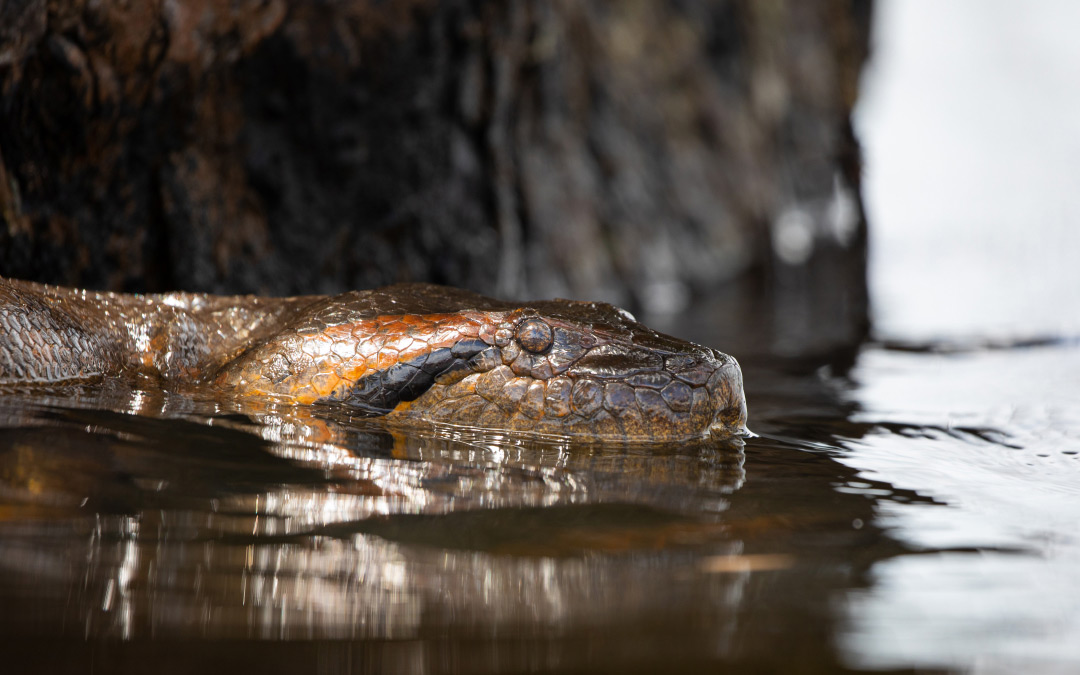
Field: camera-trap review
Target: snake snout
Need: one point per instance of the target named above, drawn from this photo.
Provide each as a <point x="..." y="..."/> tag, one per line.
<point x="726" y="386"/>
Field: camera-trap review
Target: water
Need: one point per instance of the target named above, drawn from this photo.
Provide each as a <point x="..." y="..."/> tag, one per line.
<point x="910" y="503"/>
<point x="916" y="511"/>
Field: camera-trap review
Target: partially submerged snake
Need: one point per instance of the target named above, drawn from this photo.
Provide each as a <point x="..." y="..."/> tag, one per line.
<point x="410" y="351"/>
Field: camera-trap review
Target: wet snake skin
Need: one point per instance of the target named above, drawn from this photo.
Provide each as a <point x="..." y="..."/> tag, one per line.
<point x="411" y="352"/>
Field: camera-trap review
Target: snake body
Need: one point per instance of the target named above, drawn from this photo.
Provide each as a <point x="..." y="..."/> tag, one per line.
<point x="409" y="351"/>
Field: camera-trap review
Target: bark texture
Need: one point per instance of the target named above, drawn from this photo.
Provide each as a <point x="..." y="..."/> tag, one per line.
<point x="634" y="151"/>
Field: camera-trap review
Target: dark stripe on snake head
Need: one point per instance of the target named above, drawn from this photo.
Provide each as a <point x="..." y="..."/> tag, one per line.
<point x="382" y="391"/>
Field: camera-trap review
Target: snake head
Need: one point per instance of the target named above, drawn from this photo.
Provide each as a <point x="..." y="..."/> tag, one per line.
<point x="586" y="370"/>
<point x="555" y="367"/>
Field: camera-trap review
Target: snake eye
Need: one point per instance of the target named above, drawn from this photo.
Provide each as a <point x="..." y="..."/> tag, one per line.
<point x="534" y="335"/>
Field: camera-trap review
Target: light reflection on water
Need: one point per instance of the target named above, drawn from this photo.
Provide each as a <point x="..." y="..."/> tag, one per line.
<point x="1008" y="611"/>
<point x="202" y="523"/>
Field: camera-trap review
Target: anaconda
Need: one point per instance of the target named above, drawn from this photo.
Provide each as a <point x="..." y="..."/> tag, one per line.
<point x="409" y="352"/>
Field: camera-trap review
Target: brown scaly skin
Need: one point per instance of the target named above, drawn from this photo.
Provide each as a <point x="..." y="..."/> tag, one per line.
<point x="410" y="352"/>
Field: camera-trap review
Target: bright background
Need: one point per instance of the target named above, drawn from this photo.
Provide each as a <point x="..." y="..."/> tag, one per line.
<point x="970" y="123"/>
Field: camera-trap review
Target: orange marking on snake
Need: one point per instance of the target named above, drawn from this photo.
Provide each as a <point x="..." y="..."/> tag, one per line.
<point x="378" y="344"/>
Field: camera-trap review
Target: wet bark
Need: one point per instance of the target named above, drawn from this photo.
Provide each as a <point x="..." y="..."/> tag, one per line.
<point x="637" y="151"/>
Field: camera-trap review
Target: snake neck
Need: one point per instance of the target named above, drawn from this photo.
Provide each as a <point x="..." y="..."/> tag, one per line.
<point x="51" y="334"/>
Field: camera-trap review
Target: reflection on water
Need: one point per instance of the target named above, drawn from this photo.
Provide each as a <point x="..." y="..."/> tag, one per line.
<point x="1016" y="489"/>
<point x="177" y="519"/>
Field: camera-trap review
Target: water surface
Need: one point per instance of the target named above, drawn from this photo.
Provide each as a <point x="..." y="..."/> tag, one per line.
<point x="917" y="510"/>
